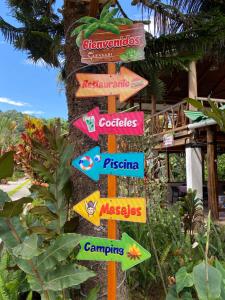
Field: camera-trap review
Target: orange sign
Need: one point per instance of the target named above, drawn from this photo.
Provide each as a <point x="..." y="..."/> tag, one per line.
<point x="125" y="84"/>
<point x="93" y="208"/>
<point x="105" y="47"/>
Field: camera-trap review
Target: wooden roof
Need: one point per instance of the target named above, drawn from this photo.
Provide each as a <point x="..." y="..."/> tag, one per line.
<point x="211" y="81"/>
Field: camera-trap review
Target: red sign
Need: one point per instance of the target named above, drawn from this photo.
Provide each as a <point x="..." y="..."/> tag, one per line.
<point x="93" y="124"/>
<point x="105" y="47"/>
<point x="125" y="84"/>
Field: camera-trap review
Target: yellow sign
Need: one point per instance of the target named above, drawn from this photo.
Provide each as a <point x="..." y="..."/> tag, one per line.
<point x="93" y="208"/>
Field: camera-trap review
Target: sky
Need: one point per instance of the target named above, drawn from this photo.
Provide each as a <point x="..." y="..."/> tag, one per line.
<point x="30" y="88"/>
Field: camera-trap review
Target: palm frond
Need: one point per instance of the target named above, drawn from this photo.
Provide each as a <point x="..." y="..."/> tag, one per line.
<point x="10" y="32"/>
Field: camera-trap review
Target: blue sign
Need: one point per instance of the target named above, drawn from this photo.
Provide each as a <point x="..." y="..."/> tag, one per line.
<point x="93" y="163"/>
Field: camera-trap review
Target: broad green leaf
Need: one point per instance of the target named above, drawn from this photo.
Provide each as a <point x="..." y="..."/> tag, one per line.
<point x="14" y="208"/>
<point x="4" y="197"/>
<point x="51" y="296"/>
<point x="42" y="193"/>
<point x="66" y="155"/>
<point x="212" y="288"/>
<point x="25" y="265"/>
<point x="35" y="284"/>
<point x="172" y="295"/>
<point x="186" y="296"/>
<point x="183" y="279"/>
<point x="220" y="268"/>
<point x="67" y="276"/>
<point x="6" y="165"/>
<point x="63" y="176"/>
<point x="195" y="103"/>
<point x="59" y="251"/>
<point x="42" y="171"/>
<point x="43" y="211"/>
<point x="29" y="248"/>
<point x="42" y="231"/>
<point x="12" y="231"/>
<point x="93" y="294"/>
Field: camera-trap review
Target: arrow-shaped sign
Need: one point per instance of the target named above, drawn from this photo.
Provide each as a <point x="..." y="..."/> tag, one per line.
<point x="93" y="124"/>
<point x="126" y="251"/>
<point x="93" y="208"/>
<point x="125" y="84"/>
<point x="93" y="163"/>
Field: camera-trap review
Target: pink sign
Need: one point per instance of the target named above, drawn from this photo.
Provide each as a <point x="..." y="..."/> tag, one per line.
<point x="94" y="123"/>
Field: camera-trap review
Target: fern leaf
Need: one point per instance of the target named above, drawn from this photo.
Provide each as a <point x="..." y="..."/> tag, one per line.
<point x="3" y="292"/>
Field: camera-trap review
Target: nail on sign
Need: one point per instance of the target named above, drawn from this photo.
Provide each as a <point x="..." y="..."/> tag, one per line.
<point x="93" y="163"/>
<point x="93" y="124"/>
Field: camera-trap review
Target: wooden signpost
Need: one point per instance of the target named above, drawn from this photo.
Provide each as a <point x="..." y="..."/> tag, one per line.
<point x="125" y="84"/>
<point x="93" y="208"/>
<point x="119" y="43"/>
<point x="93" y="124"/>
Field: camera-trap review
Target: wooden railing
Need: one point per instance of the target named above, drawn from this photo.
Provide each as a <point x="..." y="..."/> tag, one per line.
<point x="173" y="118"/>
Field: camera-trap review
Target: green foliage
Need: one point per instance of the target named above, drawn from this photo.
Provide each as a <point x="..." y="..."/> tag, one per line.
<point x="177" y="167"/>
<point x="183" y="279"/>
<point x="32" y="228"/>
<point x="213" y="112"/>
<point x="40" y="25"/>
<point x="205" y="279"/>
<point x="12" y="282"/>
<point x="161" y="235"/>
<point x="93" y="294"/>
<point x="221" y="166"/>
<point x="191" y="211"/>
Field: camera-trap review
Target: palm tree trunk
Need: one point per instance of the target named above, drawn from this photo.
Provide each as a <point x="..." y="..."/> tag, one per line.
<point x="82" y="185"/>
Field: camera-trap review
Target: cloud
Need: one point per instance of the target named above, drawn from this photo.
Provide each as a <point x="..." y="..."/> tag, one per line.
<point x="33" y="112"/>
<point x="40" y="63"/>
<point x="12" y="102"/>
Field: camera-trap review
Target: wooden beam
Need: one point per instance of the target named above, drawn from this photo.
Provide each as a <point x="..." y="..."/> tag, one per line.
<point x="192" y="81"/>
<point x="179" y="142"/>
<point x="212" y="173"/>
